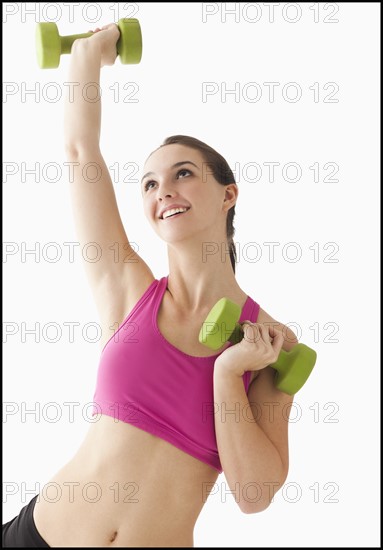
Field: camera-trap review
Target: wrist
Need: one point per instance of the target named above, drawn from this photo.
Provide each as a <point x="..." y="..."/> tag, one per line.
<point x="224" y="370"/>
<point x="85" y="47"/>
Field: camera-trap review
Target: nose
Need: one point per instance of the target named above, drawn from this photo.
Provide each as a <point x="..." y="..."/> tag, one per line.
<point x="165" y="189"/>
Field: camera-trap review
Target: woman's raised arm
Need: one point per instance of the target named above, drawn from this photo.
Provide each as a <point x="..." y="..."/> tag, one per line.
<point x="113" y="277"/>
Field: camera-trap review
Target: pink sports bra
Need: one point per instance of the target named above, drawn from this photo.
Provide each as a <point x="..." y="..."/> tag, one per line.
<point x="145" y="381"/>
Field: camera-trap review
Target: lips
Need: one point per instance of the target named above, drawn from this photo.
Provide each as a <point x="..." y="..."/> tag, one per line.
<point x="172" y="207"/>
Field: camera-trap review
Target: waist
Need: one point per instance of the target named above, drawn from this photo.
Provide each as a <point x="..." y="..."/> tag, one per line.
<point x="122" y="517"/>
<point x="124" y="486"/>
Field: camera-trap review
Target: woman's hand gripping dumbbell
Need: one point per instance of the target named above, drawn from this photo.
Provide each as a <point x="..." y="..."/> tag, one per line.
<point x="258" y="347"/>
<point x="106" y="38"/>
<point x="128" y="43"/>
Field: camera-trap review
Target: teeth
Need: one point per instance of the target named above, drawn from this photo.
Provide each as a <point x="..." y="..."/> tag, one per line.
<point x="173" y="211"/>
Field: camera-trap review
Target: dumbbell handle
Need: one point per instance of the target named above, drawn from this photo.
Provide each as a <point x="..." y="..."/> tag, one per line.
<point x="67" y="41"/>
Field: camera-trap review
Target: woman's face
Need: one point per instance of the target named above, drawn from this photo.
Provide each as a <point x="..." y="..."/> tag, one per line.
<point x="179" y="175"/>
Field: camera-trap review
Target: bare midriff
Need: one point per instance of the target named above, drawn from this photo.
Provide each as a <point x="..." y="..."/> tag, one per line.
<point x="124" y="487"/>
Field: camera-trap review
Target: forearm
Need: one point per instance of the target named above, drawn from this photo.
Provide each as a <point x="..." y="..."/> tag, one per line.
<point x="82" y="120"/>
<point x="252" y="464"/>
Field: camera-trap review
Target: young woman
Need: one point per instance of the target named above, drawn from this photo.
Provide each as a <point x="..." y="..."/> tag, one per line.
<point x="166" y="427"/>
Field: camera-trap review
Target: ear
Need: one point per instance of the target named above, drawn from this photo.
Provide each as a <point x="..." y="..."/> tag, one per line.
<point x="231" y="195"/>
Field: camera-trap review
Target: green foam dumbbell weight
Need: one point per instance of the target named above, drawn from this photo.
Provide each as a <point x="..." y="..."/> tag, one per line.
<point x="292" y="367"/>
<point x="50" y="45"/>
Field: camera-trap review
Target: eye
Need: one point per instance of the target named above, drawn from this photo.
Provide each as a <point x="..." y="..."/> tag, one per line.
<point x="183" y="171"/>
<point x="148" y="183"/>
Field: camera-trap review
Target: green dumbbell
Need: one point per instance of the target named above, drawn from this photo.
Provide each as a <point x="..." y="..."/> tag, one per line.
<point x="293" y="367"/>
<point x="50" y="45"/>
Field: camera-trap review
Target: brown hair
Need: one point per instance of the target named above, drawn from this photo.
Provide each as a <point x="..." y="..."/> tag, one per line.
<point x="222" y="174"/>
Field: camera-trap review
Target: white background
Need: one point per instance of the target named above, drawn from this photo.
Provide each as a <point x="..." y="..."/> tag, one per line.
<point x="330" y="295"/>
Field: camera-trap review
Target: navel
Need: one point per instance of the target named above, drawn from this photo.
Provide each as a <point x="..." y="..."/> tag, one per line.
<point x="113" y="536"/>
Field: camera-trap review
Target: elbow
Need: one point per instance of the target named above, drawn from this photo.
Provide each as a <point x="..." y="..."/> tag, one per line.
<point x="259" y="506"/>
<point x="255" y="508"/>
<point x="71" y="150"/>
<point x="255" y="505"/>
<point x="264" y="500"/>
<point x="75" y="150"/>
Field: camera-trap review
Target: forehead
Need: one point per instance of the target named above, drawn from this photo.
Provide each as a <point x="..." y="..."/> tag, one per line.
<point x="164" y="157"/>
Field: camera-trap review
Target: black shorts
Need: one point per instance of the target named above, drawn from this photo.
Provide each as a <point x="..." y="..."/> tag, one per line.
<point x="21" y="531"/>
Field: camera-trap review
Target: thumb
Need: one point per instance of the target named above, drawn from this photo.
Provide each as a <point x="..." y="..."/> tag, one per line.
<point x="250" y="331"/>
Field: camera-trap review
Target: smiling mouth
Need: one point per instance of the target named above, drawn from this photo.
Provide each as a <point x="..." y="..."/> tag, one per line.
<point x="175" y="215"/>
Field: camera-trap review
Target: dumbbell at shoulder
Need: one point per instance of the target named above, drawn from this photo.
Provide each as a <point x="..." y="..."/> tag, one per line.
<point x="292" y="367"/>
<point x="50" y="45"/>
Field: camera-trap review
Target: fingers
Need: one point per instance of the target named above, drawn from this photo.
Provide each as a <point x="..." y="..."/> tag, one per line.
<point x="260" y="332"/>
<point x="277" y="339"/>
<point x="104" y="28"/>
<point x="277" y="342"/>
<point x="255" y="331"/>
<point x="262" y="343"/>
<point x="264" y="330"/>
<point x="249" y="330"/>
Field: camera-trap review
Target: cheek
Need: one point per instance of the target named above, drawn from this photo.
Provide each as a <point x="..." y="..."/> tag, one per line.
<point x="145" y="206"/>
<point x="149" y="211"/>
<point x="209" y="203"/>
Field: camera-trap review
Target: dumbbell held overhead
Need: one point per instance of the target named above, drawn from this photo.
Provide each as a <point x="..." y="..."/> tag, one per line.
<point x="50" y="45"/>
<point x="292" y="368"/>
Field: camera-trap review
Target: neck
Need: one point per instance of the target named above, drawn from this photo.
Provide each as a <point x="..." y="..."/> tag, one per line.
<point x="201" y="276"/>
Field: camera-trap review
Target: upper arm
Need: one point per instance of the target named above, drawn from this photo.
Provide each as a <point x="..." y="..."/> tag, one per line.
<point x="116" y="273"/>
<point x="271" y="407"/>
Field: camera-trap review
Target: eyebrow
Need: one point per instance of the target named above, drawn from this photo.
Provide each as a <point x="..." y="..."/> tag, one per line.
<point x="176" y="165"/>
